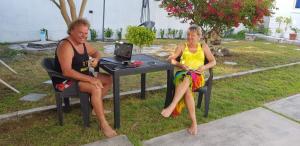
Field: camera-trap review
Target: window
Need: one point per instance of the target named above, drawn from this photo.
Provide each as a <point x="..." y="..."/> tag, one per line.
<point x="297" y="4"/>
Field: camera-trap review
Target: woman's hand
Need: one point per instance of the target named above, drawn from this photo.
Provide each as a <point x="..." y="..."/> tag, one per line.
<point x="171" y="58"/>
<point x="184" y="67"/>
<point x="93" y="62"/>
<point x="200" y="70"/>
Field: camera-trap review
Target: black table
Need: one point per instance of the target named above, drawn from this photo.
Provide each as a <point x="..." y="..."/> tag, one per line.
<point x="151" y="64"/>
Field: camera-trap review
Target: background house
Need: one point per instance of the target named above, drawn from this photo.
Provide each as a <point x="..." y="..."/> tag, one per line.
<point x="22" y="20"/>
<point x="286" y="8"/>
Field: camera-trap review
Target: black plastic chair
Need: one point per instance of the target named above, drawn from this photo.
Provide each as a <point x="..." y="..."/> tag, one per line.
<point x="205" y="90"/>
<point x="73" y="90"/>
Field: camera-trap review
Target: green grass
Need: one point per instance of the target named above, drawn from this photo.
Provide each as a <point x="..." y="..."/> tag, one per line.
<point x="140" y="119"/>
<point x="248" y="55"/>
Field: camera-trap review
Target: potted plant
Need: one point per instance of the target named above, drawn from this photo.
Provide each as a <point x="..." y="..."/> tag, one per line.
<point x="108" y="33"/>
<point x="162" y="33"/>
<point x="287" y="21"/>
<point x="279" y="31"/>
<point x="293" y="35"/>
<point x="93" y="34"/>
<point x="119" y="33"/>
<point x="140" y="36"/>
<point x="180" y="32"/>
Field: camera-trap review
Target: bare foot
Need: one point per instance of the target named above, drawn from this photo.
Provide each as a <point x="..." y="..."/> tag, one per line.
<point x="193" y="130"/>
<point x="108" y="131"/>
<point x="93" y="113"/>
<point x="166" y="112"/>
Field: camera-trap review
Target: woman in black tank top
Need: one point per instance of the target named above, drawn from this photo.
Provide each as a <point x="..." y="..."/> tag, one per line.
<point x="72" y="59"/>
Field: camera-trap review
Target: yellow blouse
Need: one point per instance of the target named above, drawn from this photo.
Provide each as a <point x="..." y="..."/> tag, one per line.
<point x="192" y="60"/>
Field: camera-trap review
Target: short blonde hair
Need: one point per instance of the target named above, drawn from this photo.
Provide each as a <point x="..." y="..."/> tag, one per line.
<point x="77" y="22"/>
<point x="195" y="28"/>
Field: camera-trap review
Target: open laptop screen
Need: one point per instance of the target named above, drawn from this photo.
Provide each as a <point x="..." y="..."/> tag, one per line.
<point x="123" y="50"/>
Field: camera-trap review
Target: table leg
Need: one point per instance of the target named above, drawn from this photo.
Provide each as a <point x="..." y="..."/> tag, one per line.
<point x="170" y="87"/>
<point x="143" y="85"/>
<point x="116" y="94"/>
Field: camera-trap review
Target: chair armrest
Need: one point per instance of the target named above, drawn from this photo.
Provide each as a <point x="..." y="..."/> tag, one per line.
<point x="59" y="75"/>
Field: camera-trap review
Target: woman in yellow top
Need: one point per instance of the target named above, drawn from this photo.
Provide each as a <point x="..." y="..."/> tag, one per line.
<point x="190" y="77"/>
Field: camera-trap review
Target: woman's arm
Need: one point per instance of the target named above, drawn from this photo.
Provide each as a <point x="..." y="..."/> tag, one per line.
<point x="178" y="52"/>
<point x="209" y="56"/>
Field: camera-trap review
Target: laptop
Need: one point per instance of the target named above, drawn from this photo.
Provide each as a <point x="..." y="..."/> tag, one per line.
<point x="122" y="53"/>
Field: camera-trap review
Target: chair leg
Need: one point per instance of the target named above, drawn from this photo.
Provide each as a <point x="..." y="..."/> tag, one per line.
<point x="59" y="108"/>
<point x="200" y="96"/>
<point x="67" y="107"/>
<point x="85" y="108"/>
<point x="207" y="101"/>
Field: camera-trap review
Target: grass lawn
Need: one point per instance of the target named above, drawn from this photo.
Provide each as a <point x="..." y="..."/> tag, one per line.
<point x="140" y="119"/>
<point x="247" y="54"/>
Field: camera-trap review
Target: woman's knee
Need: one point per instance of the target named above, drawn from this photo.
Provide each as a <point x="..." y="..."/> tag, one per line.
<point x="188" y="94"/>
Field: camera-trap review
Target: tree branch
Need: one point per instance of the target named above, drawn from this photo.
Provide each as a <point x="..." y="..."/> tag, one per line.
<point x="83" y="3"/>
<point x="72" y="9"/>
<point x="63" y="11"/>
<point x="58" y="6"/>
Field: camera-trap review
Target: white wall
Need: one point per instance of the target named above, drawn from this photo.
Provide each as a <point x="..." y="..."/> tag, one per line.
<point x="22" y="20"/>
<point x="286" y="8"/>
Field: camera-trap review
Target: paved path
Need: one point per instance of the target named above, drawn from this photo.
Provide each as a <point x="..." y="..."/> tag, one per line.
<point x="120" y="140"/>
<point x="289" y="107"/>
<point x="258" y="127"/>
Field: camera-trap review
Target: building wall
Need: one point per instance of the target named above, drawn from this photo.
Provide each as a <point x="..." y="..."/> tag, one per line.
<point x="286" y="8"/>
<point x="22" y="20"/>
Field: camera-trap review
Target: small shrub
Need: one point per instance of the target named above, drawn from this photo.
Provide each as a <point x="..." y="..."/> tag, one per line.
<point x="169" y="32"/>
<point x="162" y="33"/>
<point x="93" y="34"/>
<point x="279" y="30"/>
<point x="140" y="36"/>
<point x="174" y="33"/>
<point x="119" y="33"/>
<point x="228" y="32"/>
<point x="295" y="29"/>
<point x="239" y="36"/>
<point x="180" y="33"/>
<point x="154" y="30"/>
<point x="108" y="32"/>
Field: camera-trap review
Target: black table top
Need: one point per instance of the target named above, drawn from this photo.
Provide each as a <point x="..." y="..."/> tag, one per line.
<point x="150" y="64"/>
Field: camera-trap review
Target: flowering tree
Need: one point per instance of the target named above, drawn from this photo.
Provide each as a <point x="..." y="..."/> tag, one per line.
<point x="217" y="15"/>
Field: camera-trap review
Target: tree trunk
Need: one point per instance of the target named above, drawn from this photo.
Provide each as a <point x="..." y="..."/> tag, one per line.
<point x="83" y="3"/>
<point x="72" y="9"/>
<point x="63" y="12"/>
<point x="215" y="37"/>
